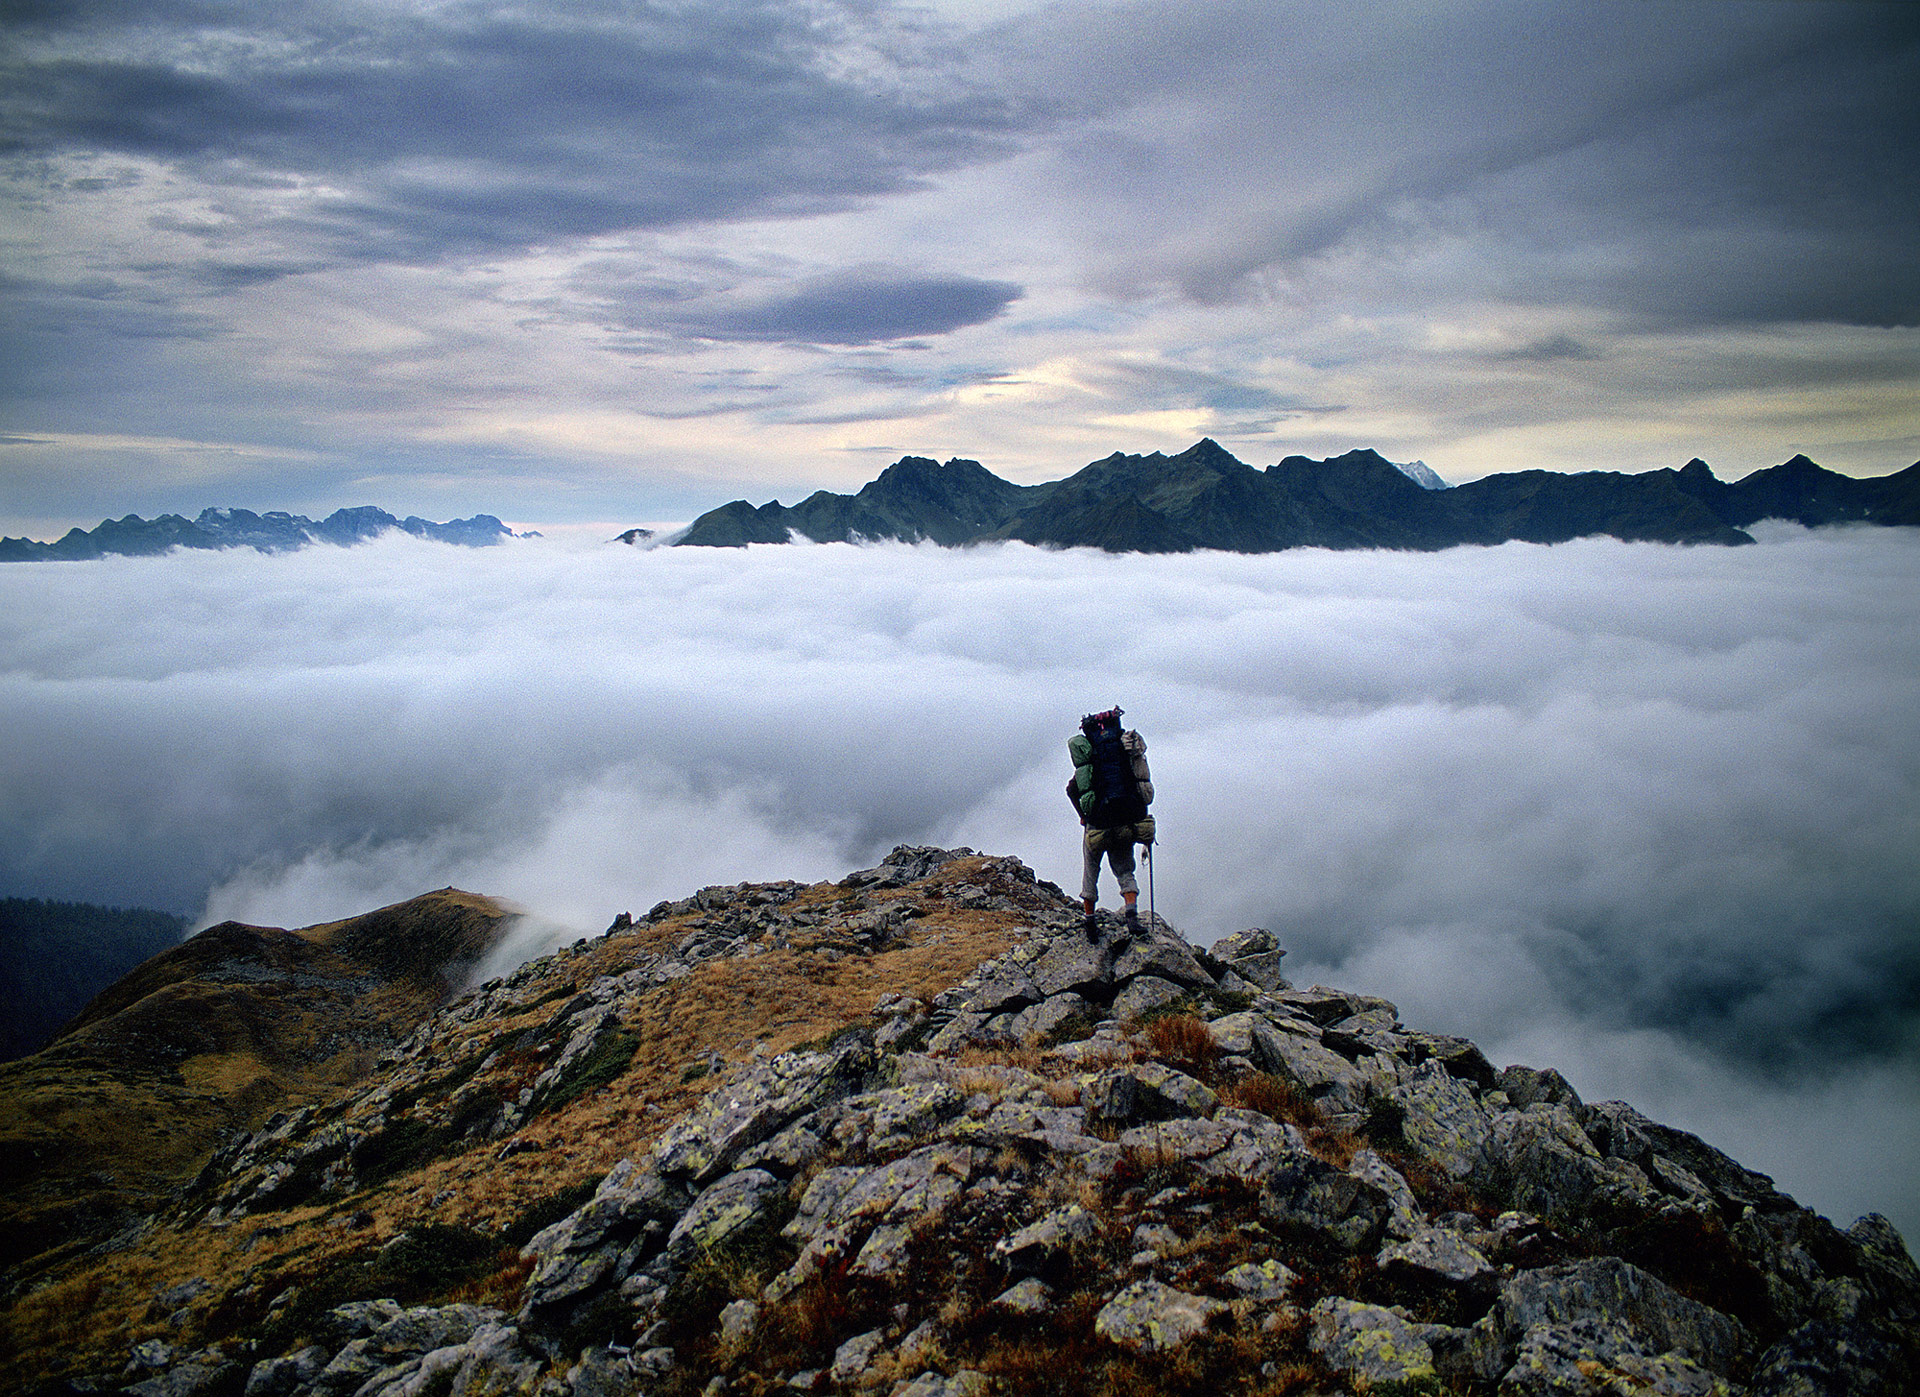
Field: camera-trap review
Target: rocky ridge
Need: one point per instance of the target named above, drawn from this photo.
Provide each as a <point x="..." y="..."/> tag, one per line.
<point x="276" y="531"/>
<point x="1204" y="497"/>
<point x="1073" y="1167"/>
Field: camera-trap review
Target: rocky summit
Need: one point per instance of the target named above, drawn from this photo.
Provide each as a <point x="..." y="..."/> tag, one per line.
<point x="914" y="1134"/>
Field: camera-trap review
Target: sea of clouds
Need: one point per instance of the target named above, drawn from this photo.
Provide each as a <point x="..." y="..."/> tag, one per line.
<point x="1647" y="814"/>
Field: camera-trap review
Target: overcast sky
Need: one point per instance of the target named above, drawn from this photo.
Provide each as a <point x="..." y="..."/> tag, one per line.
<point x="1644" y="813"/>
<point x="620" y="262"/>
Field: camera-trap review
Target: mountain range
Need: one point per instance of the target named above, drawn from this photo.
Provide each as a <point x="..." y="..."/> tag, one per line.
<point x="1205" y="498"/>
<point x="273" y="532"/>
<point x="912" y="1133"/>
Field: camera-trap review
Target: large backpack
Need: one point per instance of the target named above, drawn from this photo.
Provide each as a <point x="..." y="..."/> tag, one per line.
<point x="1103" y="774"/>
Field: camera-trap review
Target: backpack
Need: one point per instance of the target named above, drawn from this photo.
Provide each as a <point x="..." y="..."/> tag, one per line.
<point x="1109" y="793"/>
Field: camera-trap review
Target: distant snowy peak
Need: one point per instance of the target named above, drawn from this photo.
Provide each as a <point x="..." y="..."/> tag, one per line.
<point x="1421" y="474"/>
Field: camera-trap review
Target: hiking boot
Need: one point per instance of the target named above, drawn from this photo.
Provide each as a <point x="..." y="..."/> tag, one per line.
<point x="1090" y="927"/>
<point x="1133" y="920"/>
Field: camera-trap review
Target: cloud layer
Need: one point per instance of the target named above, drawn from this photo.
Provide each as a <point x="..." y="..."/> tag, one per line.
<point x="1643" y="813"/>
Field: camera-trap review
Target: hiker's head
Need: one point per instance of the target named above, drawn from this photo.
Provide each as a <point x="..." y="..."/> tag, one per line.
<point x="1093" y="722"/>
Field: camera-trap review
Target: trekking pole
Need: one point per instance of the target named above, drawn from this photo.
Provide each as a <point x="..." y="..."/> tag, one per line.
<point x="1152" y="916"/>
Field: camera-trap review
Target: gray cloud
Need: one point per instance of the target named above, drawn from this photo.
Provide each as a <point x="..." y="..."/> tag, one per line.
<point x="1688" y="164"/>
<point x="1644" y="813"/>
<point x="1550" y="348"/>
<point x="862" y="308"/>
<point x="476" y="128"/>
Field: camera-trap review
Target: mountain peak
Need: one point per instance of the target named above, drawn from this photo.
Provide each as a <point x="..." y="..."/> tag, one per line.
<point x="914" y="1132"/>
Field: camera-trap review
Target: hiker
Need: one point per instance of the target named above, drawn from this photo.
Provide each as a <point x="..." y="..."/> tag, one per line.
<point x="1110" y="791"/>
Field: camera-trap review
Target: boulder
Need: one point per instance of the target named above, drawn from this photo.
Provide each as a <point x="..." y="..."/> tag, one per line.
<point x="900" y="1115"/>
<point x="855" y="1356"/>
<point x="279" y="1377"/>
<point x="1323" y="1075"/>
<point x="1264" y="1281"/>
<point x="725" y="1210"/>
<point x="1072" y="964"/>
<point x="1404" y="1218"/>
<point x="1610" y="1291"/>
<point x="1440" y="1253"/>
<point x="1827" y="1358"/>
<point x="1592" y="1355"/>
<point x="1252" y="942"/>
<point x="1525" y="1087"/>
<point x="1044" y="1021"/>
<point x="1030" y="1248"/>
<point x="1310" y="1194"/>
<point x="1459" y="1056"/>
<point x="1142" y="995"/>
<point x="1444" y="1122"/>
<point x="741" y="1115"/>
<point x="1149" y="1317"/>
<point x="1145" y="1091"/>
<point x="1325" y="1006"/>
<point x="965" y="1383"/>
<point x="1004" y="991"/>
<point x="1545" y="1164"/>
<point x="1165" y="956"/>
<point x="1374" y="1344"/>
<point x="1250" y="1036"/>
<point x="1261" y="971"/>
<point x="1031" y="1296"/>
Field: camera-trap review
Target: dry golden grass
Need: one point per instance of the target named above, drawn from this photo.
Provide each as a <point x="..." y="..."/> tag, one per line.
<point x="1336" y="1147"/>
<point x="1184" y="1041"/>
<point x="499" y="1288"/>
<point x="742" y="1009"/>
<point x="1271" y="1096"/>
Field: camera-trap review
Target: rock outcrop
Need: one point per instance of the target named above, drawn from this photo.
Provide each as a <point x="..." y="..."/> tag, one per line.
<point x="1074" y="1166"/>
